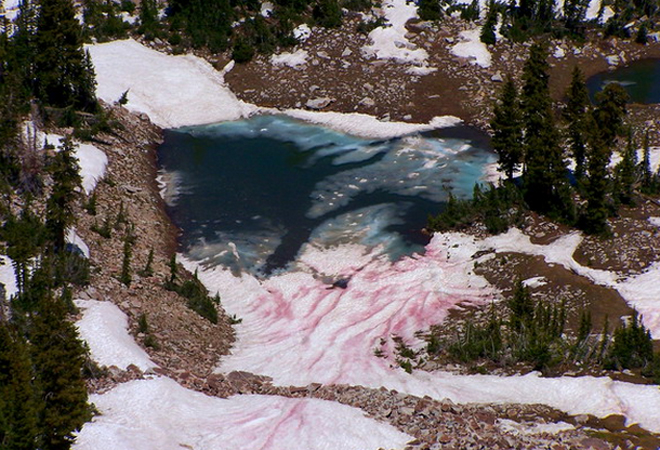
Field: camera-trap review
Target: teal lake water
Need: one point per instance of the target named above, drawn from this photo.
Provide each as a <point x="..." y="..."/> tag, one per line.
<point x="641" y="79"/>
<point x="249" y="194"/>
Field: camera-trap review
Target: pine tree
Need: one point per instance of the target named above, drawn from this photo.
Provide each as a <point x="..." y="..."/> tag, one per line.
<point x="18" y="406"/>
<point x="62" y="72"/>
<point x="429" y="9"/>
<point x="125" y="276"/>
<point x="610" y="111"/>
<point x="626" y="175"/>
<point x="575" y="114"/>
<point x="594" y="219"/>
<point x="488" y="29"/>
<point x="58" y="356"/>
<point x="66" y="190"/>
<point x="507" y="129"/>
<point x="545" y="168"/>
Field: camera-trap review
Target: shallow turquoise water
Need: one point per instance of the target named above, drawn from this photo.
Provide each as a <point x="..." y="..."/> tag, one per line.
<point x="251" y="193"/>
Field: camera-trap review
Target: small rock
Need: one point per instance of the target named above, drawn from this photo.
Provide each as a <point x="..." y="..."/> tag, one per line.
<point x="497" y="77"/>
<point x="318" y="103"/>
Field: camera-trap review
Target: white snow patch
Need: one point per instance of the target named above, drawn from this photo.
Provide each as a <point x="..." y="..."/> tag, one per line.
<point x="8" y="276"/>
<point x="472" y="48"/>
<point x="390" y="41"/>
<point x="302" y="32"/>
<point x="91" y="160"/>
<point x="105" y="329"/>
<point x="535" y="282"/>
<point x="525" y="429"/>
<point x="655" y="221"/>
<point x="267" y="9"/>
<point x="173" y="91"/>
<point x="93" y="163"/>
<point x="295" y="59"/>
<point x="73" y="238"/>
<point x="158" y="414"/>
<point x="364" y="125"/>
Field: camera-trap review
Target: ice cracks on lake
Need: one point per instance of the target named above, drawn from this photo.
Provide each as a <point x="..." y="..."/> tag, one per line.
<point x="298" y="330"/>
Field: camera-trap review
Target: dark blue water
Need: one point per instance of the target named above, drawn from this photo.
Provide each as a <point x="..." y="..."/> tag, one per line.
<point x="641" y="79"/>
<point x="250" y="194"/>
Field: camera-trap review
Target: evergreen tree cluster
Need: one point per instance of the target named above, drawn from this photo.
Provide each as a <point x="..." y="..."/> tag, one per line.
<point x="43" y="396"/>
<point x="533" y="143"/>
<point x="533" y="335"/>
<point x="194" y="292"/>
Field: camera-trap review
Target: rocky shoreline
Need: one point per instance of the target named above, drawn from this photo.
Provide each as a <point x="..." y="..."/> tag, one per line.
<point x="188" y="348"/>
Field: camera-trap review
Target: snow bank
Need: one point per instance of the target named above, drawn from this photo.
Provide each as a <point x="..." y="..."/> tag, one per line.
<point x="93" y="163"/>
<point x="472" y="48"/>
<point x="297" y="329"/>
<point x="91" y="160"/>
<point x="364" y="125"/>
<point x="294" y="60"/>
<point x="7" y="276"/>
<point x="158" y="414"/>
<point x="173" y="91"/>
<point x="105" y="329"/>
<point x="389" y="41"/>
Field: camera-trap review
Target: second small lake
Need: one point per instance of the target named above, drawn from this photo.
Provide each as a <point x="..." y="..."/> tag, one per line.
<point x="641" y="79"/>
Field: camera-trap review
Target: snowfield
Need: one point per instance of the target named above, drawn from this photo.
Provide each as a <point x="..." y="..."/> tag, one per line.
<point x="105" y="329"/>
<point x="297" y="330"/>
<point x="158" y="414"/>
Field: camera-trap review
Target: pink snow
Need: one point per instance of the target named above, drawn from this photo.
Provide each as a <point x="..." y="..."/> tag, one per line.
<point x="159" y="414"/>
<point x="298" y="330"/>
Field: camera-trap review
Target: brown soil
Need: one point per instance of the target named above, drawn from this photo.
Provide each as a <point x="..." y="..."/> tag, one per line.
<point x="457" y="87"/>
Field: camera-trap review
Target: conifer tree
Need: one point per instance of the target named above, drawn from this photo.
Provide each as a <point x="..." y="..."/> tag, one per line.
<point x="610" y="111"/>
<point x="626" y="172"/>
<point x="575" y="114"/>
<point x="429" y="9"/>
<point x="58" y="356"/>
<point x="545" y="172"/>
<point x="507" y="129"/>
<point x="487" y="35"/>
<point x="18" y="406"/>
<point x="125" y="276"/>
<point x="66" y="190"/>
<point x="62" y="75"/>
<point x="594" y="218"/>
